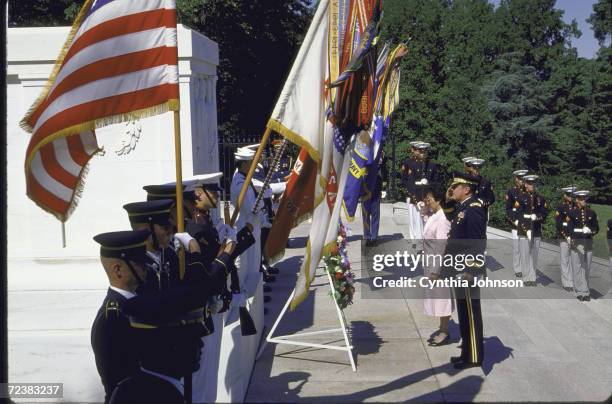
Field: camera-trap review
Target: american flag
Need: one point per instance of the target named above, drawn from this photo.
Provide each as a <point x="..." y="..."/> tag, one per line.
<point x="118" y="63"/>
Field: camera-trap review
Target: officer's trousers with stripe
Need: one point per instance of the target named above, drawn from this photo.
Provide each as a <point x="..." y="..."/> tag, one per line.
<point x="415" y="224"/>
<point x="529" y="257"/>
<point x="567" y="279"/>
<point x="470" y="323"/>
<point x="516" y="253"/>
<point x="581" y="268"/>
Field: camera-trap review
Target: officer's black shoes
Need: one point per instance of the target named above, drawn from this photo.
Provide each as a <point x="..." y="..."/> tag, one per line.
<point x="530" y="283"/>
<point x="267" y="299"/>
<point x="267" y="289"/>
<point x="581" y="298"/>
<point x="586" y="298"/>
<point x="456" y="359"/>
<point x="466" y="365"/>
<point x="518" y="274"/>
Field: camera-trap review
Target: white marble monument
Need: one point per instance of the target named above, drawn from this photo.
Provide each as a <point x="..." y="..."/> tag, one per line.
<point x="54" y="292"/>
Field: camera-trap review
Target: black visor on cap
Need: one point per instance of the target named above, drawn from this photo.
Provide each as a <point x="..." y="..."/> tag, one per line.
<point x="123" y="244"/>
<point x="155" y="212"/>
<point x="166" y="191"/>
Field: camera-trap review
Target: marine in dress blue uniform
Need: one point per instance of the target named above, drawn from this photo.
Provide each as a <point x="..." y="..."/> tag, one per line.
<point x="467" y="236"/>
<point x="582" y="226"/>
<point x="484" y="192"/>
<point x="561" y="226"/>
<point x="512" y="205"/>
<point x="532" y="212"/>
<point x="417" y="172"/>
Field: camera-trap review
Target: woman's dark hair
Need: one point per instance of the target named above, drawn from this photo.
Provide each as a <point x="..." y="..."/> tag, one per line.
<point x="437" y="191"/>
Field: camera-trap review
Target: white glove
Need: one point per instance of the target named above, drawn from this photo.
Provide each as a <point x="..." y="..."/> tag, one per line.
<point x="424" y="181"/>
<point x="227" y="233"/>
<point x="420" y="205"/>
<point x="533" y="216"/>
<point x="569" y="240"/>
<point x="184" y="239"/>
<point x="516" y="223"/>
<point x="586" y="230"/>
<point x="529" y="235"/>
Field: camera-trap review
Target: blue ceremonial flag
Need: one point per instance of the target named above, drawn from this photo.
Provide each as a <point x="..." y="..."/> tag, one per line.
<point x="381" y="128"/>
<point x="356" y="174"/>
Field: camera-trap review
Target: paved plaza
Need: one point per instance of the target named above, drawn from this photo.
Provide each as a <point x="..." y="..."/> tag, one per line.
<point x="537" y="349"/>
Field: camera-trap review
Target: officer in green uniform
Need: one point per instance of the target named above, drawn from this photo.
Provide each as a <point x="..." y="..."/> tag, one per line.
<point x="467" y="237"/>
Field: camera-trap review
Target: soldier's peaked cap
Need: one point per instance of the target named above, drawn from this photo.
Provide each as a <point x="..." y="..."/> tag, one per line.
<point x="167" y="191"/>
<point x="464" y="178"/>
<point x="209" y="181"/>
<point x="583" y="192"/>
<point x="123" y="244"/>
<point x="156" y="212"/>
<point x="519" y="173"/>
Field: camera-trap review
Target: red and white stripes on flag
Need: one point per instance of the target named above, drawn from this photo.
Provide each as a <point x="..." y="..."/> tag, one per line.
<point x="119" y="63"/>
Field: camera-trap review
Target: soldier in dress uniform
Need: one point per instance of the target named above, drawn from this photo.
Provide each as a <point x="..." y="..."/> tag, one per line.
<point x="484" y="192"/>
<point x="561" y="224"/>
<point x="123" y="257"/>
<point x="169" y="347"/>
<point x="162" y="247"/>
<point x="168" y="191"/>
<point x="582" y="226"/>
<point x="250" y="260"/>
<point x="512" y="205"/>
<point x="417" y="172"/>
<point x="467" y="235"/>
<point x="532" y="213"/>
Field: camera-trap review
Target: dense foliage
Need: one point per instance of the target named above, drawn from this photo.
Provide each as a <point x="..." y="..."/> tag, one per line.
<point x="505" y="84"/>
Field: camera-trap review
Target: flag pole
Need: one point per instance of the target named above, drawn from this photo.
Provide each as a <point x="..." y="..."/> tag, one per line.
<point x="249" y="177"/>
<point x="180" y="223"/>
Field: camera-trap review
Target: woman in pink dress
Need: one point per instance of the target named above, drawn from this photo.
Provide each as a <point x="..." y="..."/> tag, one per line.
<point x="438" y="301"/>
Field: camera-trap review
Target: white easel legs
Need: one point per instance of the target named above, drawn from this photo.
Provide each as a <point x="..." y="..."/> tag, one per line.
<point x="289" y="339"/>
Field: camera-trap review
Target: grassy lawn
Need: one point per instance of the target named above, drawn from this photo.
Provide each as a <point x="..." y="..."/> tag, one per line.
<point x="604" y="212"/>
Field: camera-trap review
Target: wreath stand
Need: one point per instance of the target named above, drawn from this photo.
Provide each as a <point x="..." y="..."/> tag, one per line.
<point x="294" y="338"/>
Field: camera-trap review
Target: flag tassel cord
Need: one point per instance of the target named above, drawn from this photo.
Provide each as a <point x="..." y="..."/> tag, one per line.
<point x="290" y="339"/>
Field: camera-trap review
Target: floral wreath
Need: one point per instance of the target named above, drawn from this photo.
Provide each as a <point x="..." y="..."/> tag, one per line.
<point x="338" y="267"/>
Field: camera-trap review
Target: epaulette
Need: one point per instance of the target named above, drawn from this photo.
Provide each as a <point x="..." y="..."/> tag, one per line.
<point x="112" y="309"/>
<point x="476" y="203"/>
